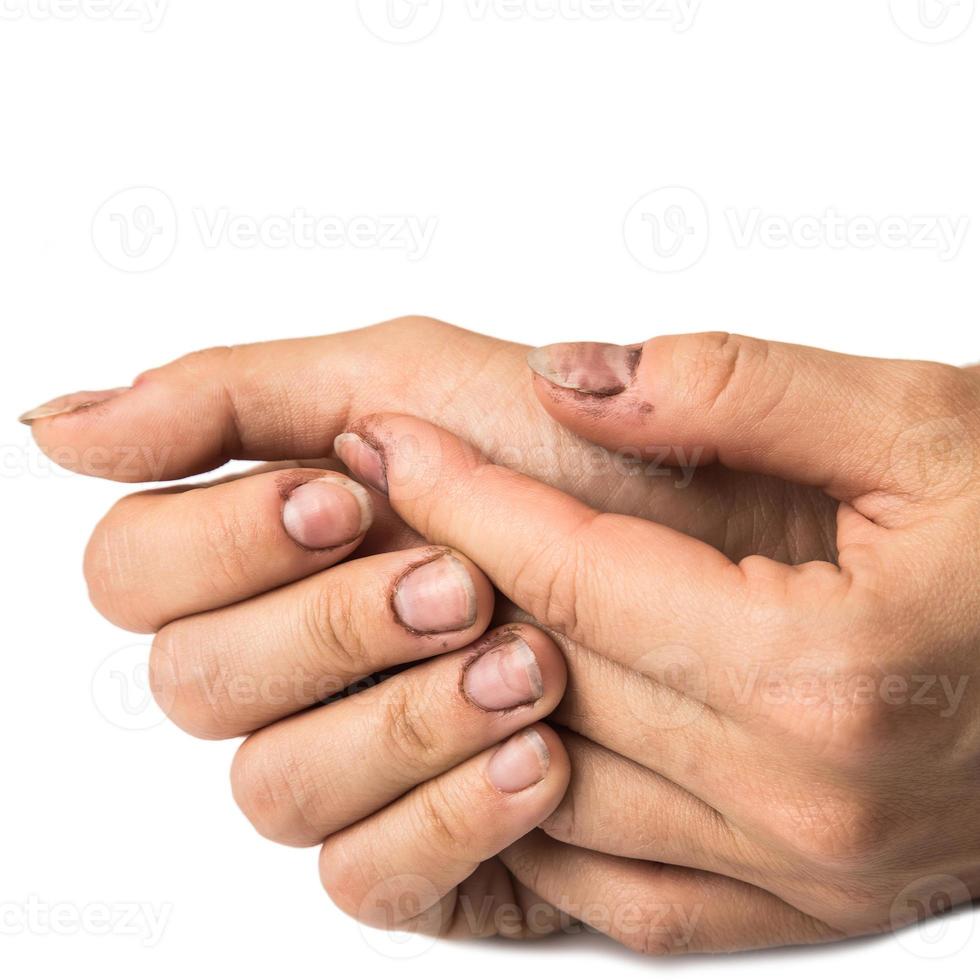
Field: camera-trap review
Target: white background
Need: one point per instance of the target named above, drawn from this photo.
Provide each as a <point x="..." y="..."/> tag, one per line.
<point x="527" y="139"/>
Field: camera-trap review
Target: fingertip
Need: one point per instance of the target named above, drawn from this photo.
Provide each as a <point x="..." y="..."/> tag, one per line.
<point x="530" y="768"/>
<point x="328" y="512"/>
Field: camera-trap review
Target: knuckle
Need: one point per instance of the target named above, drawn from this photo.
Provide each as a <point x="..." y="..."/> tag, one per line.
<point x="195" y="688"/>
<point x="710" y="368"/>
<point x="558" y="581"/>
<point x="277" y="793"/>
<point x="110" y="568"/>
<point x="203" y="361"/>
<point x="331" y="624"/>
<point x="343" y="874"/>
<point x="443" y="822"/>
<point x="940" y="388"/>
<point x="838" y="833"/>
<point x="413" y="325"/>
<point x="230" y="540"/>
<point x="411" y="739"/>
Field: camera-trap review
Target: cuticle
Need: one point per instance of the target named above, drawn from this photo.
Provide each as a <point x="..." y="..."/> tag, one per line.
<point x="480" y="650"/>
<point x="434" y="554"/>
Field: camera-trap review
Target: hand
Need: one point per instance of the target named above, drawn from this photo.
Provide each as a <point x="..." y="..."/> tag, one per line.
<point x="289" y="399"/>
<point x="796" y="747"/>
<point x="436" y="766"/>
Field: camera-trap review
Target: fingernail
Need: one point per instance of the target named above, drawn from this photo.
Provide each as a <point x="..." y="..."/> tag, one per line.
<point x="593" y="369"/>
<point x="364" y="461"/>
<point x="69" y="403"/>
<point x="327" y="512"/>
<point x="519" y="763"/>
<point x="506" y="676"/>
<point x="436" y="597"/>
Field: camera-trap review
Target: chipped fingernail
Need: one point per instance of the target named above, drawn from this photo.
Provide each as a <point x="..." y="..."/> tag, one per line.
<point x="593" y="369"/>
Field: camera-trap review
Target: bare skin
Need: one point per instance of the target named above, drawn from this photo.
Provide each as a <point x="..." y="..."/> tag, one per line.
<point x="290" y="400"/>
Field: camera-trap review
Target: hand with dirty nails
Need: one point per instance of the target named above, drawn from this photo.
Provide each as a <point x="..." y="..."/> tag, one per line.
<point x="762" y="753"/>
<point x="740" y="652"/>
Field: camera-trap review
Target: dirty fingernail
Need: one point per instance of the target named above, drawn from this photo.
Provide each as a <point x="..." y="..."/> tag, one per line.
<point x="506" y="676"/>
<point x="593" y="369"/>
<point x="327" y="512"/>
<point x="519" y="763"/>
<point x="363" y="460"/>
<point x="436" y="597"/>
<point x="67" y="404"/>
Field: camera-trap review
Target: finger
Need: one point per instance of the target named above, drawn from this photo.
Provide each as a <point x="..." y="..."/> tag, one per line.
<point x="650" y="722"/>
<point x="279" y="400"/>
<point x="659" y="909"/>
<point x="311" y="775"/>
<point x="226" y="673"/>
<point x="560" y="560"/>
<point x="404" y="863"/>
<point x="606" y="793"/>
<point x="811" y="416"/>
<point x="159" y="556"/>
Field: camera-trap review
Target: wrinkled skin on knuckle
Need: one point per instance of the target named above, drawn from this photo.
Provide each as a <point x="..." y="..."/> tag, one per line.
<point x="276" y="791"/>
<point x="409" y="736"/>
<point x="444" y="820"/>
<point x="111" y="556"/>
<point x="710" y="371"/>
<point x="344" y="876"/>
<point x="330" y="629"/>
<point x="199" y="692"/>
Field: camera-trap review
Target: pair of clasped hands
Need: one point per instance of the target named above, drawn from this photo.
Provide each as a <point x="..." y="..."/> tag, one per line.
<point x="678" y="641"/>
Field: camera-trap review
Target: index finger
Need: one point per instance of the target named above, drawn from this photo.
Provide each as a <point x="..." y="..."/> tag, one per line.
<point x="626" y="587"/>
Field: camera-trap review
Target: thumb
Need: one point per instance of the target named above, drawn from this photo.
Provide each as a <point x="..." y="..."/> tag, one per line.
<point x="849" y="425"/>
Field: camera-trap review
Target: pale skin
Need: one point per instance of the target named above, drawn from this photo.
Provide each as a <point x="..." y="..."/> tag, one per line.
<point x="748" y="755"/>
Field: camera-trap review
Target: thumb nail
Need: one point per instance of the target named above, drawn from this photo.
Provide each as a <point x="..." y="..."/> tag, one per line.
<point x="593" y="369"/>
